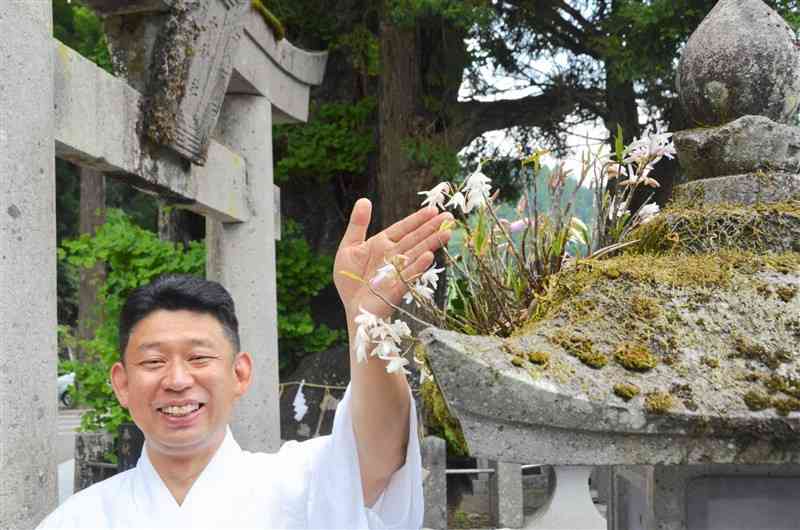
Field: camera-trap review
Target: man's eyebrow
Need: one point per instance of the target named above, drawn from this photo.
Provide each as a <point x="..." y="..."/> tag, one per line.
<point x="154" y="345"/>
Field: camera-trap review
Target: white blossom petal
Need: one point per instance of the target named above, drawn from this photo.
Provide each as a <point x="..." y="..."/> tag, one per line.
<point x="458" y="201"/>
<point x="382" y="273"/>
<point x="436" y="195"/>
<point x="397" y="364"/>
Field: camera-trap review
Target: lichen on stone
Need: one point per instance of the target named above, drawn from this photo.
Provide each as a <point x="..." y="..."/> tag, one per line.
<point x="518" y="361"/>
<point x="626" y="391"/>
<point x="635" y="356"/>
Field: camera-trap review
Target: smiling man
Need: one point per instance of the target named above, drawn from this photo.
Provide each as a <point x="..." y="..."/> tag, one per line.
<point x="180" y="373"/>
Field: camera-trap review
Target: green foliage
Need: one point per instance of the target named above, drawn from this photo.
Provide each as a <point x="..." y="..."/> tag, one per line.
<point x="301" y="275"/>
<point x="134" y="257"/>
<point x="441" y="162"/>
<point x="337" y="140"/>
<point x="79" y="28"/>
<point x="362" y="49"/>
<point x="463" y="13"/>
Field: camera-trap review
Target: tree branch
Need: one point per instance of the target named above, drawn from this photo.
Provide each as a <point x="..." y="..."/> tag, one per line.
<point x="473" y="118"/>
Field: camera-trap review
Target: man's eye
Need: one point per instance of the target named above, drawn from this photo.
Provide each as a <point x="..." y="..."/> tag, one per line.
<point x="200" y="358"/>
<point x="152" y="362"/>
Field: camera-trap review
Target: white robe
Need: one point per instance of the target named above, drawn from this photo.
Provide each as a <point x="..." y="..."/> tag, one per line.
<point x="312" y="484"/>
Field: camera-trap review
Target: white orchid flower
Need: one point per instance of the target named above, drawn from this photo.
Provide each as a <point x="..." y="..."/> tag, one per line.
<point x="431" y="276"/>
<point x="397" y="364"/>
<point x="382" y="273"/>
<point x="362" y="342"/>
<point x="457" y="201"/>
<point x="436" y="195"/>
<point x="366" y="318"/>
<point x="648" y="212"/>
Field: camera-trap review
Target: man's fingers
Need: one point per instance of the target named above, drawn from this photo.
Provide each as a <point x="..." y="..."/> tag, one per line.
<point x="420" y="234"/>
<point x="432" y="243"/>
<point x="359" y="223"/>
<point x="397" y="288"/>
<point x="398" y="231"/>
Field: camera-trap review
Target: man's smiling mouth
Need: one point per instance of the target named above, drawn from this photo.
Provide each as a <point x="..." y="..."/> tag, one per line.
<point x="179" y="411"/>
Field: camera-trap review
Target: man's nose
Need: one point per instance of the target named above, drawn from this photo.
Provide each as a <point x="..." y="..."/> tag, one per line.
<point x="178" y="377"/>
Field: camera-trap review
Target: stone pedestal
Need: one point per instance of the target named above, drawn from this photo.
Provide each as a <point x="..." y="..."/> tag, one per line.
<point x="506" y="493"/>
<point x="570" y="506"/>
<point x="706" y="497"/>
<point x="434" y="464"/>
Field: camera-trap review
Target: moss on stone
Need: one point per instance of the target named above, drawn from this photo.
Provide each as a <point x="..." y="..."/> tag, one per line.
<point x="784" y="406"/>
<point x="705" y="228"/>
<point x="786" y="292"/>
<point x="581" y="348"/>
<point x="711" y="362"/>
<point x="635" y="356"/>
<point x="270" y="19"/>
<point x="445" y="423"/>
<point x="626" y="391"/>
<point x="518" y="361"/>
<point x="658" y="402"/>
<point x="645" y="307"/>
<point x="539" y="357"/>
<point x="756" y="400"/>
<point x="751" y="349"/>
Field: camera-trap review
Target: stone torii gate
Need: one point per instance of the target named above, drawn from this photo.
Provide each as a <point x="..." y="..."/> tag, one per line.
<point x="204" y="81"/>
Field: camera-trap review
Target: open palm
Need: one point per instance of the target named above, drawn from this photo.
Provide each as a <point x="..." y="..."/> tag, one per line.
<point x="416" y="237"/>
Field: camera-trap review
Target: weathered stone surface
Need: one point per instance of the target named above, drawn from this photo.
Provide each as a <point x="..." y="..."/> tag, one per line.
<point x="506" y="487"/>
<point x="91" y="466"/>
<point x="746" y="145"/>
<point x="182" y="60"/>
<point x="241" y="256"/>
<point x="741" y="60"/>
<point x="95" y="125"/>
<point x="705" y="497"/>
<point x="718" y="327"/>
<point x="122" y="7"/>
<point x="711" y="227"/>
<point x="28" y="489"/>
<point x="750" y="188"/>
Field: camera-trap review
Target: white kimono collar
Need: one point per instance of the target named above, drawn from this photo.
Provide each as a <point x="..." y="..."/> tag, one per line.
<point x="156" y="499"/>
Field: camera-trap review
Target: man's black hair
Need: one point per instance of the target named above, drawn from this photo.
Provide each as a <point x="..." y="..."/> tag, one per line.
<point x="175" y="292"/>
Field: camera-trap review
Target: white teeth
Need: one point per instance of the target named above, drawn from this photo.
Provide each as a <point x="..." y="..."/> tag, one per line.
<point x="180" y="411"/>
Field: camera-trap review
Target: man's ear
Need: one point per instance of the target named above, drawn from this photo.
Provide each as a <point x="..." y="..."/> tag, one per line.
<point x="119" y="382"/>
<point x="243" y="370"/>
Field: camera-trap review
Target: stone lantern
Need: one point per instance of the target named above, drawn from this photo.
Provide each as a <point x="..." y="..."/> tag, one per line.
<point x="677" y="362"/>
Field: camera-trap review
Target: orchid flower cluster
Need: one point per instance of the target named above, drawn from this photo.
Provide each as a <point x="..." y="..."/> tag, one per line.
<point x="383" y="339"/>
<point x="504" y="266"/>
<point x="627" y="170"/>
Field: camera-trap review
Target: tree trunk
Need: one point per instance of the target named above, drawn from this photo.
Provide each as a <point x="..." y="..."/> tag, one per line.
<point x="622" y="108"/>
<point x="92" y="216"/>
<point x="179" y="226"/>
<point x="398" y="181"/>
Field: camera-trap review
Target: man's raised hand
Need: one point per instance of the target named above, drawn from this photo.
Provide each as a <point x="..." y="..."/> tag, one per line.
<point x="416" y="237"/>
